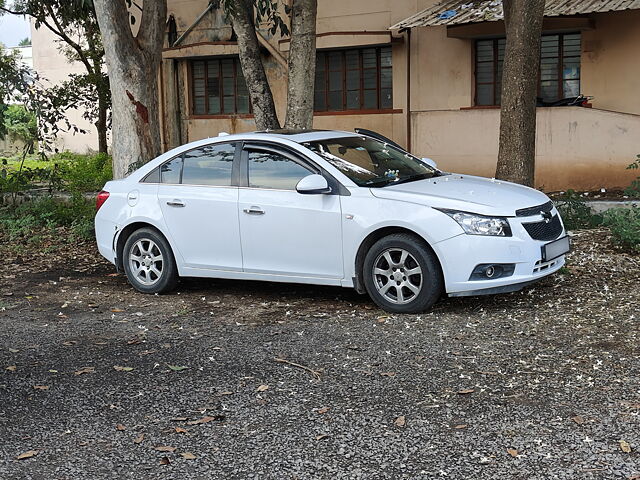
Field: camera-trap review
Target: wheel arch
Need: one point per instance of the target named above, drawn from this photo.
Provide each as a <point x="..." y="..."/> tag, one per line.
<point x="371" y="239"/>
<point x="126" y="232"/>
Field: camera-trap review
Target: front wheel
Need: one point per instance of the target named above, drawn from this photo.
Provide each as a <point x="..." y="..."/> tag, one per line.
<point x="402" y="275"/>
<point x="149" y="263"/>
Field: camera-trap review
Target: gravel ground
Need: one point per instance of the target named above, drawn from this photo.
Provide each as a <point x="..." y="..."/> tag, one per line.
<point x="254" y="380"/>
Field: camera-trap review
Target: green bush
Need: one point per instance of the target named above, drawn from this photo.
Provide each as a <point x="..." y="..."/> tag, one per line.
<point x="633" y="190"/>
<point x="84" y="173"/>
<point x="22" y="221"/>
<point x="576" y="213"/>
<point x="624" y="224"/>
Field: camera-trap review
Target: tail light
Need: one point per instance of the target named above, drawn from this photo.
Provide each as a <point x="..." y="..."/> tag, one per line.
<point x="102" y="197"/>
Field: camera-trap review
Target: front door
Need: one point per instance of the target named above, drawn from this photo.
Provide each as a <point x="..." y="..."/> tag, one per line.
<point x="200" y="207"/>
<point x="284" y="232"/>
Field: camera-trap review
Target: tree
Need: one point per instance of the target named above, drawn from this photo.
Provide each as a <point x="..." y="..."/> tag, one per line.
<point x="74" y="23"/>
<point x="25" y="42"/>
<point x="302" y="64"/>
<point x="244" y="15"/>
<point x="19" y="85"/>
<point x="516" y="155"/>
<point x="133" y="64"/>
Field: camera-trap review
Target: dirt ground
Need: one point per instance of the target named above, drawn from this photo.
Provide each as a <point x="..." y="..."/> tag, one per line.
<point x="245" y="380"/>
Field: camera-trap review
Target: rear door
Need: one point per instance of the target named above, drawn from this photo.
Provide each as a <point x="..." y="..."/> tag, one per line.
<point x="198" y="195"/>
<point x="284" y="232"/>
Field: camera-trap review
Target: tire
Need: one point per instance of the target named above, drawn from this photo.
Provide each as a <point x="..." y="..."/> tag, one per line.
<point x="402" y="274"/>
<point x="149" y="262"/>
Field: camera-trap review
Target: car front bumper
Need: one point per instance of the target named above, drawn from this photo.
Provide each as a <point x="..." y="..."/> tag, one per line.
<point x="461" y="254"/>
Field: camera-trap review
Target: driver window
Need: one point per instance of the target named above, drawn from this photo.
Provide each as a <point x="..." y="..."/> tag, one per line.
<point x="271" y="170"/>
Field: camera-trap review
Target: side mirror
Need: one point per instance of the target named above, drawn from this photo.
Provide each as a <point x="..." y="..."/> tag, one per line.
<point x="430" y="162"/>
<point x="313" y="184"/>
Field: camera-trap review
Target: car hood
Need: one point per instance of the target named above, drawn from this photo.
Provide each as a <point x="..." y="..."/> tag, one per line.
<point x="466" y="193"/>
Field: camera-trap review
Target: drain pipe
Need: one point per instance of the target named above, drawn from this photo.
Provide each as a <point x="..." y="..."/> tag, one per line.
<point x="408" y="102"/>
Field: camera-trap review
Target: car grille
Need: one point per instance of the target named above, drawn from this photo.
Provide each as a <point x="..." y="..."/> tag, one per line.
<point x="543" y="230"/>
<point x="531" y="211"/>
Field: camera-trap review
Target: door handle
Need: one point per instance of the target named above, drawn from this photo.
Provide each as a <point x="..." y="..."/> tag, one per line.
<point x="176" y="203"/>
<point x="253" y="211"/>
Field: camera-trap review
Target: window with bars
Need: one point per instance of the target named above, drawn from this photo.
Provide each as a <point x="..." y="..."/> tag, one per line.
<point x="354" y="79"/>
<point x="218" y="87"/>
<point x="559" y="68"/>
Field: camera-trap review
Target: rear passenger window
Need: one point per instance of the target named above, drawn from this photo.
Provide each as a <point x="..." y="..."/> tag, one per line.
<point x="209" y="165"/>
<point x="170" y="172"/>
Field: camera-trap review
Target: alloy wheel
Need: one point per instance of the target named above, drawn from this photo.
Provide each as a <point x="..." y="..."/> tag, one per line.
<point x="146" y="262"/>
<point x="397" y="276"/>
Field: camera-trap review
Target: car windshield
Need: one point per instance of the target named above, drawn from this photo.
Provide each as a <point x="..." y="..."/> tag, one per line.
<point x="371" y="163"/>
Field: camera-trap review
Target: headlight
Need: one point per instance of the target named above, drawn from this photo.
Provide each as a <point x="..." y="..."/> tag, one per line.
<point x="473" y="224"/>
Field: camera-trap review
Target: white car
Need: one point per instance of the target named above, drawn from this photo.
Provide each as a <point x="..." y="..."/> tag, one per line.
<point x="326" y="208"/>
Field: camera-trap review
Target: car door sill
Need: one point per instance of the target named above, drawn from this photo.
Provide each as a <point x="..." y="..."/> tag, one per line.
<point x="236" y="275"/>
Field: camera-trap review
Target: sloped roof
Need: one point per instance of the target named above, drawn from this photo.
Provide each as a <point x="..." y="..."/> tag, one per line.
<point x="456" y="12"/>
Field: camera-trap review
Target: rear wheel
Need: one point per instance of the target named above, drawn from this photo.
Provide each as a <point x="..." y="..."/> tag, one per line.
<point x="402" y="274"/>
<point x="149" y="263"/>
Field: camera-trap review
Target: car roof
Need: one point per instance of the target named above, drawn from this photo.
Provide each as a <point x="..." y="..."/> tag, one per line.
<point x="298" y="136"/>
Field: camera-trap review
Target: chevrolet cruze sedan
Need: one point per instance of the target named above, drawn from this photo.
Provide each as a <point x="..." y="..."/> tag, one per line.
<point x="326" y="208"/>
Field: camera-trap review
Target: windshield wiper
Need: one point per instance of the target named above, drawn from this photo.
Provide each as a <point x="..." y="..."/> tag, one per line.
<point x="413" y="178"/>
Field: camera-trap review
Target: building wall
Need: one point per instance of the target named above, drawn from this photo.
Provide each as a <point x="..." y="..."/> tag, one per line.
<point x="577" y="148"/>
<point x="54" y="68"/>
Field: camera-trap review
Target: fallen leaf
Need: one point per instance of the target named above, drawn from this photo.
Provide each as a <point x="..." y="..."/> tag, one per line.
<point x="53" y="371"/>
<point x="466" y="391"/>
<point x="323" y="410"/>
<point x="176" y="368"/>
<point x="321" y="436"/>
<point x="118" y="368"/>
<point x="401" y="421"/>
<point x="134" y="341"/>
<point x="180" y="430"/>
<point x="179" y="419"/>
<point x="513" y="452"/>
<point x="112" y="274"/>
<point x="388" y="374"/>
<point x="625" y="447"/>
<point x="14" y="350"/>
<point x="262" y="388"/>
<point x="461" y="426"/>
<point x="69" y="344"/>
<point x="202" y="420"/>
<point x="188" y="456"/>
<point x="139" y="439"/>
<point x="41" y="387"/>
<point x="11" y="368"/>
<point x="29" y="454"/>
<point x="120" y="427"/>
<point x="85" y="370"/>
<point x="578" y="419"/>
<point x="225" y="393"/>
<point x="165" y="461"/>
<point x="164" y="448"/>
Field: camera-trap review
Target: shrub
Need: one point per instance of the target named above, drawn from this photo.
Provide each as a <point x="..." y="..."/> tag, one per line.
<point x="21" y="221"/>
<point x="624" y="224"/>
<point x="576" y="213"/>
<point x="633" y="190"/>
<point x="84" y="173"/>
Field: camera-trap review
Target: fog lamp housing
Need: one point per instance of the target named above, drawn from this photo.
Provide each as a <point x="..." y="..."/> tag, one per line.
<point x="492" y="271"/>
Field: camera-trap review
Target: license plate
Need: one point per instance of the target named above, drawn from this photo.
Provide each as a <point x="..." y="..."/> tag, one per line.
<point x="555" y="249"/>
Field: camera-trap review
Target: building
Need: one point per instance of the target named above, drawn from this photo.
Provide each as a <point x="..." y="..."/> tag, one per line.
<point x="425" y="73"/>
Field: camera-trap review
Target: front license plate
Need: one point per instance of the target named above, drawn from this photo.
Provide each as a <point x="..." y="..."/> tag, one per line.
<point x="555" y="249"/>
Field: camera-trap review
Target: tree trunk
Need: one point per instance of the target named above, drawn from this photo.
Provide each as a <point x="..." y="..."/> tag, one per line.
<point x="262" y="102"/>
<point x="517" y="152"/>
<point x="133" y="65"/>
<point x="101" y="125"/>
<point x="302" y="64"/>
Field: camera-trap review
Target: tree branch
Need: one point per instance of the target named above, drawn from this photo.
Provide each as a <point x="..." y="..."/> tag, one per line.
<point x="151" y="33"/>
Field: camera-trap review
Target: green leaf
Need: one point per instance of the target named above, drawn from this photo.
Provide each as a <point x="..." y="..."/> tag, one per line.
<point x="176" y="368"/>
